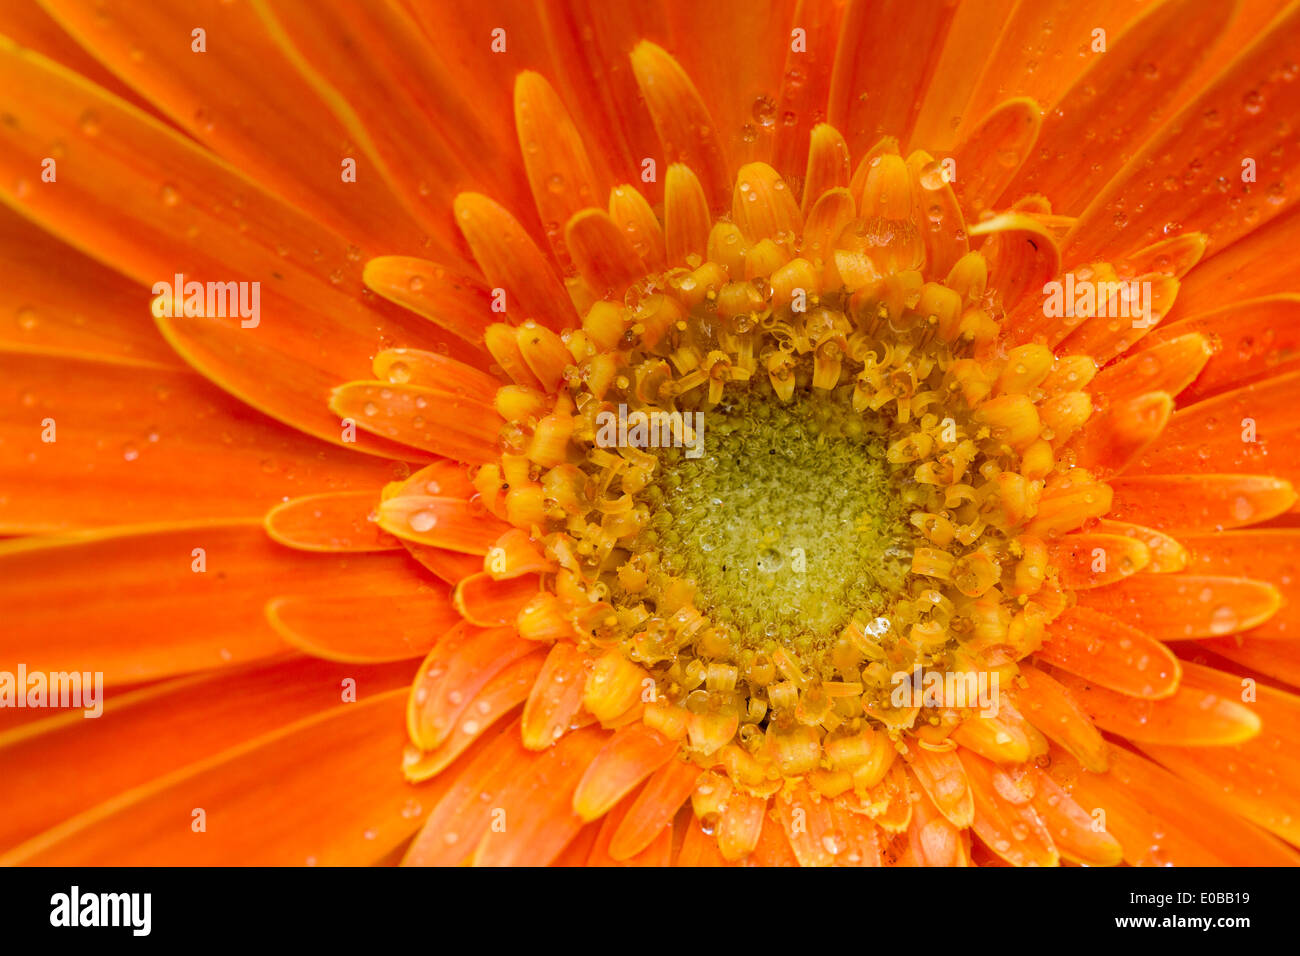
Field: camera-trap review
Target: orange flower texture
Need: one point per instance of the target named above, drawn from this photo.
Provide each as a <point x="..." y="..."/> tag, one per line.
<point x="806" y="433"/>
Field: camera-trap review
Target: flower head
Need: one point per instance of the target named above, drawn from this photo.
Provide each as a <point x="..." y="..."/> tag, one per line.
<point x="872" y="451"/>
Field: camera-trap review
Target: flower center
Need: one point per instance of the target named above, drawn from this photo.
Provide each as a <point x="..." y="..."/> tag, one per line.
<point x="760" y="487"/>
<point x="788" y="523"/>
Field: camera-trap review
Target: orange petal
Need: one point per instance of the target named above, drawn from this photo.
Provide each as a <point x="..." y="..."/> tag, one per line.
<point x="988" y="158"/>
<point x="1022" y="257"/>
<point x="450" y="567"/>
<point x="1166" y="553"/>
<point x="1174" y="607"/>
<point x="933" y="840"/>
<point x="438" y="522"/>
<point x="459" y="304"/>
<point x="686" y="215"/>
<point x="536" y="805"/>
<point x="364" y="628"/>
<point x="773" y="848"/>
<point x="1014" y="65"/>
<point x="740" y="825"/>
<point x="1070" y="501"/>
<point x="1072" y="828"/>
<point x="578" y="851"/>
<point x="1050" y="708"/>
<point x="1249" y="430"/>
<point x="1253" y="340"/>
<point x="828" y="164"/>
<point x="1160" y="821"/>
<point x="97" y="316"/>
<point x="943" y="223"/>
<point x="805" y="82"/>
<point x="1111" y="654"/>
<point x="1170" y="366"/>
<point x="448" y="479"/>
<point x="244" y="120"/>
<point x="857" y="841"/>
<point x="1118" y="93"/>
<point x="400" y="90"/>
<point x="514" y="554"/>
<point x="1237" y="116"/>
<point x="833" y="211"/>
<point x="334" y="770"/>
<point x="334" y="521"/>
<point x="167" y="447"/>
<point x="602" y="253"/>
<point x="458" y="667"/>
<point x="889" y="802"/>
<point x="1175" y="256"/>
<point x="430" y="370"/>
<point x="1196" y="715"/>
<point x="437" y="420"/>
<point x="556" y="698"/>
<point x="1005" y="818"/>
<point x="1277" y="659"/>
<point x="806" y="818"/>
<point x="974" y="32"/>
<point x="998" y="737"/>
<point x="941" y="776"/>
<point x="1257" y="779"/>
<point x="511" y="261"/>
<point x="699" y="849"/>
<point x="632" y="754"/>
<point x="163" y="209"/>
<point x="658" y="853"/>
<point x="35" y="28"/>
<point x="1244" y="270"/>
<point x="654" y="808"/>
<point x="1262" y="554"/>
<point x="506" y="690"/>
<point x="763" y="206"/>
<point x="870" y="50"/>
<point x="64" y="765"/>
<point x="686" y="131"/>
<point x="1201" y="502"/>
<point x="143" y="603"/>
<point x="459" y="818"/>
<point x="1110" y="441"/>
<point x="559" y="172"/>
<point x="1094" y="560"/>
<point x="1106" y="336"/>
<point x="487" y="602"/>
<point x="634" y="216"/>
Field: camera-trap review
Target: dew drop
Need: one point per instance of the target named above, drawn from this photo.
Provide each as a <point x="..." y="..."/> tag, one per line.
<point x="1223" y="620"/>
<point x="422" y="521"/>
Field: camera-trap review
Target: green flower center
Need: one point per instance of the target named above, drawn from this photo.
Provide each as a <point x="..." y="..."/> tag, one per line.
<point x="788" y="524"/>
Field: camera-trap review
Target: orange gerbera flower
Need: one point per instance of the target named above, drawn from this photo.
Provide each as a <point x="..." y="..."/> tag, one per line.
<point x="812" y="432"/>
